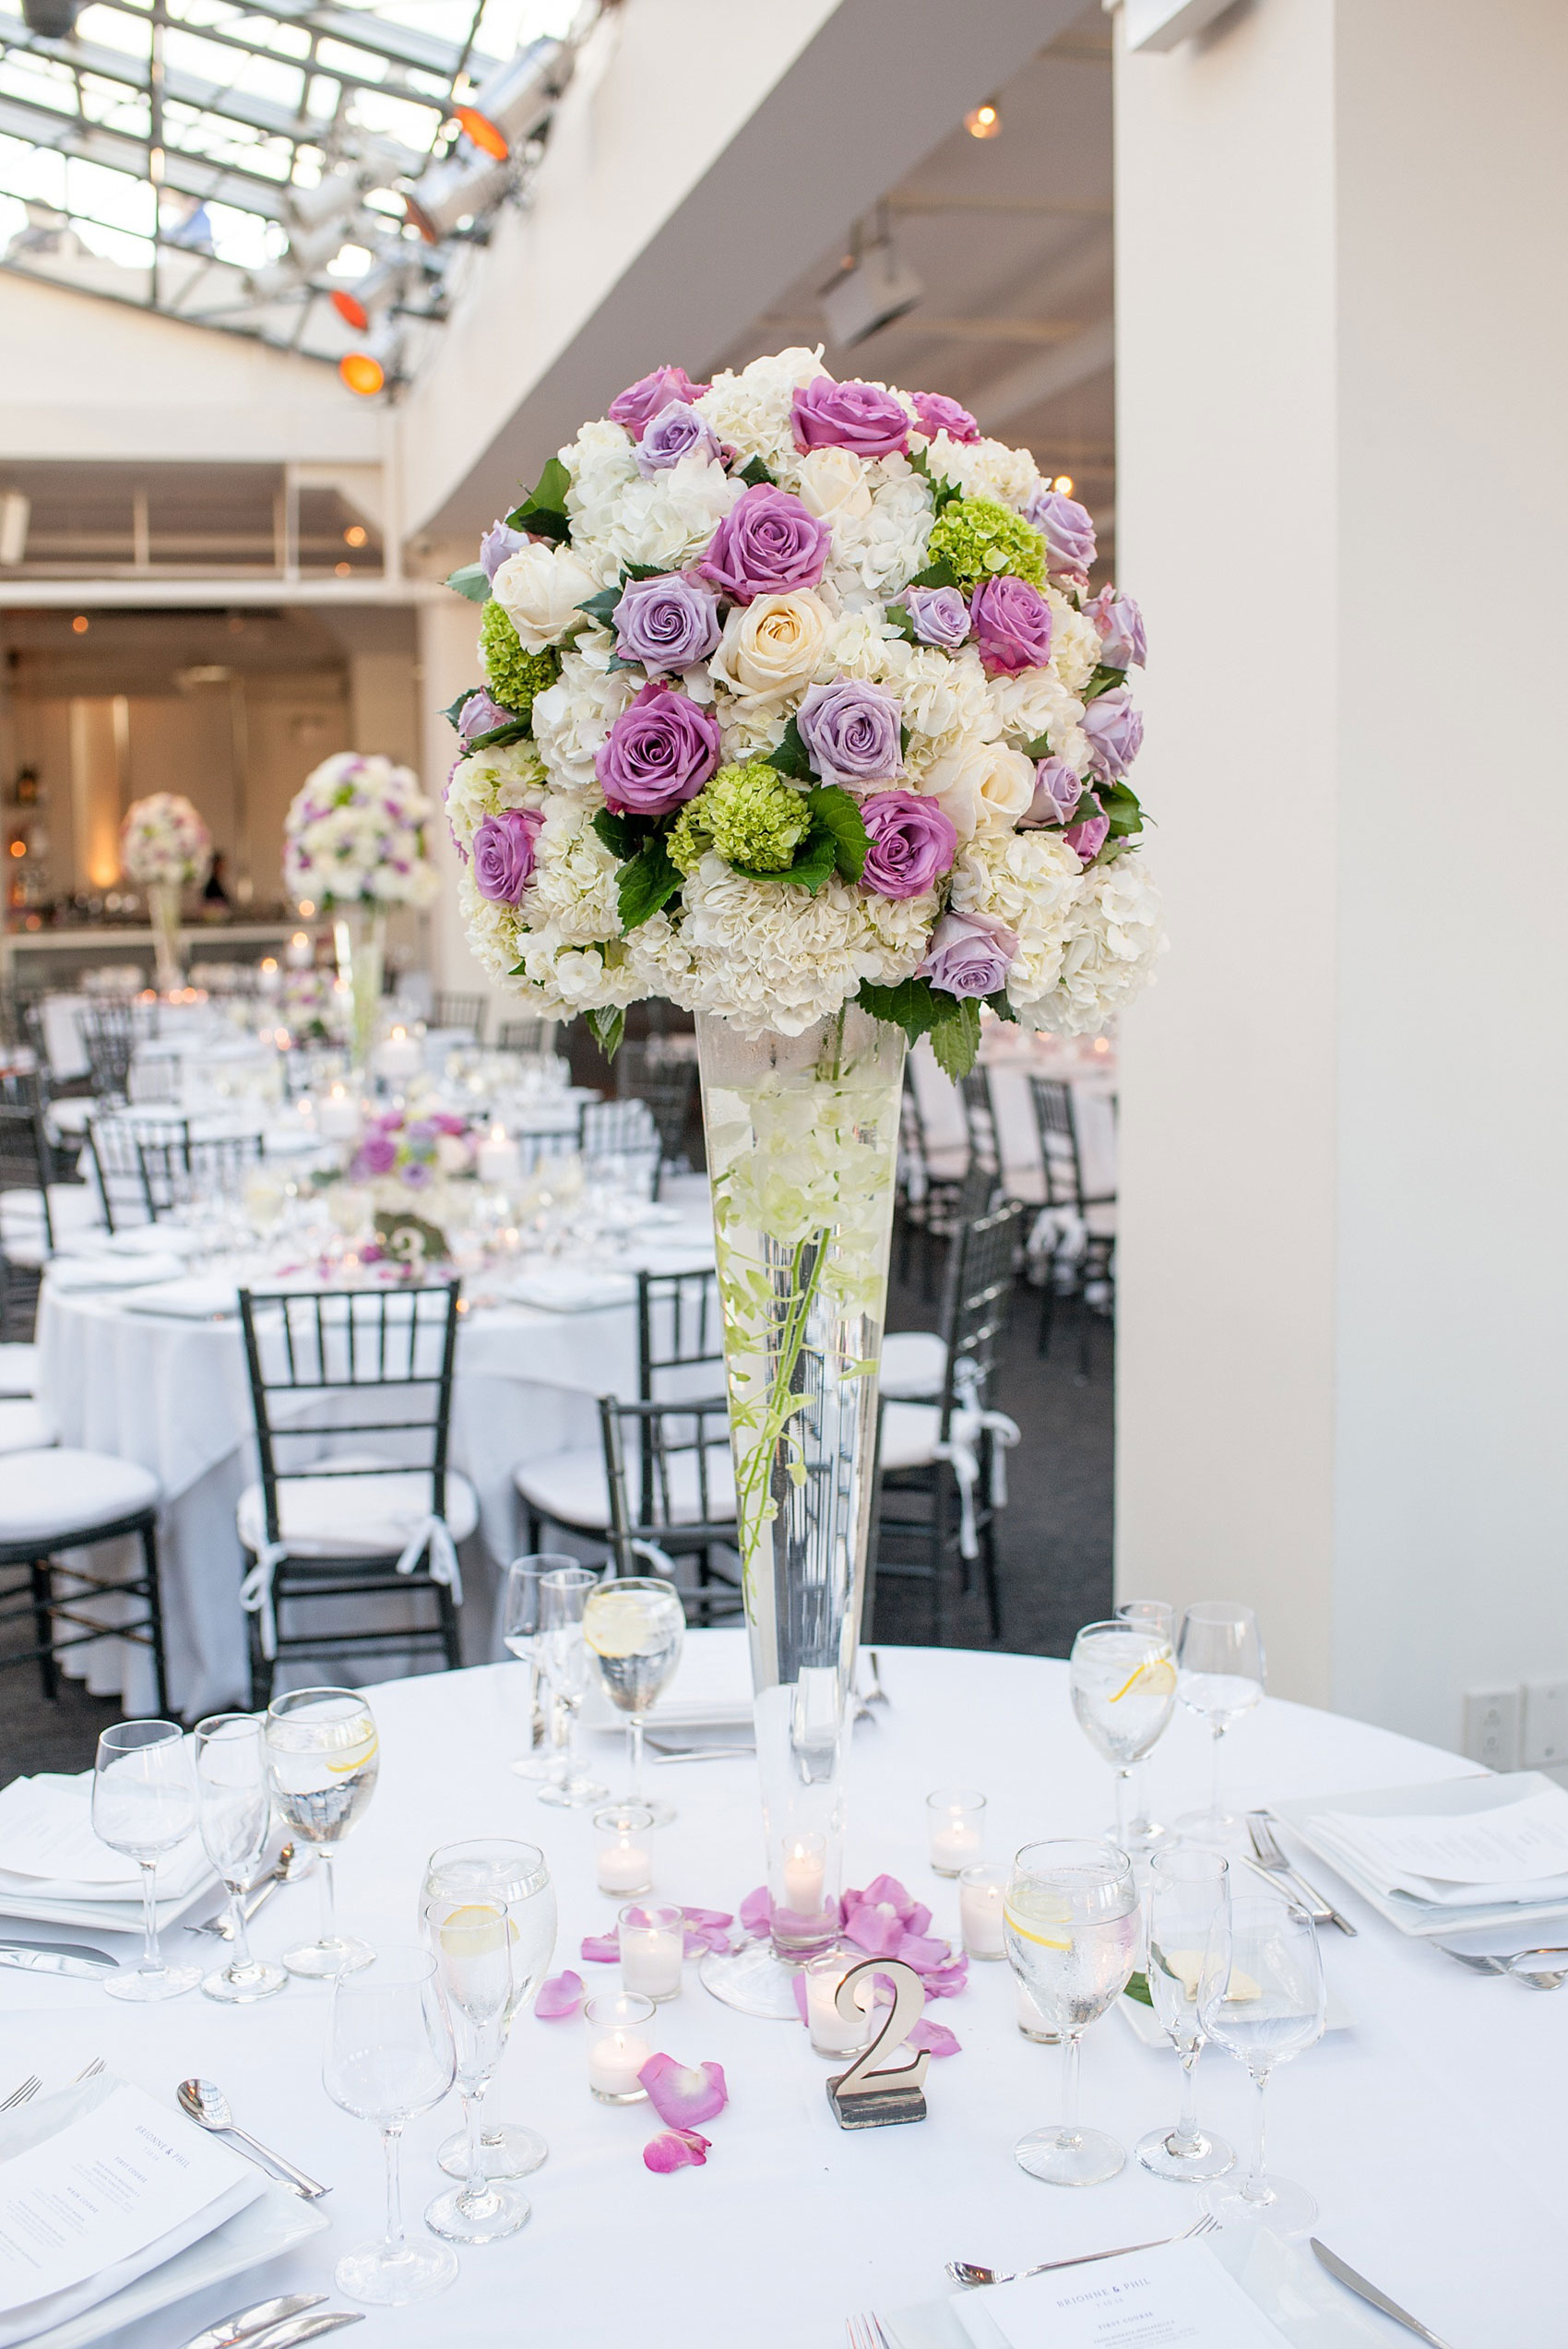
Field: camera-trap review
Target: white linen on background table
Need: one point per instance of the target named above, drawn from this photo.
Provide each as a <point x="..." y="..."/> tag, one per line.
<point x="1430" y="2132"/>
<point x="1017" y="1136"/>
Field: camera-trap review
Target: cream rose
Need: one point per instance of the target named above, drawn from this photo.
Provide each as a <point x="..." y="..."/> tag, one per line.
<point x="834" y="484"/>
<point x="981" y="787"/>
<point x="539" y="590"/>
<point x="770" y="646"/>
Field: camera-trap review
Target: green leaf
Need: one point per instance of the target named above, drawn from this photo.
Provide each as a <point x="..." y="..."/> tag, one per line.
<point x="955" y="1041"/>
<point x="617" y="662"/>
<point x="792" y="756"/>
<point x="902" y="622"/>
<point x="943" y="493"/>
<point x="836" y="812"/>
<point x="607" y="1026"/>
<point x="1102" y="681"/>
<point x="616" y="833"/>
<point x="543" y="512"/>
<point x="755" y="474"/>
<point x="1001" y="1006"/>
<point x="1039" y="748"/>
<point x="454" y="710"/>
<point x="644" y="570"/>
<point x="1119" y="802"/>
<point x="601" y="607"/>
<point x="1137" y="1987"/>
<point x="514" y="730"/>
<point x="910" y="1005"/>
<point x="814" y="863"/>
<point x="938" y="574"/>
<point x="645" y="883"/>
<point x="473" y="580"/>
<point x="917" y="460"/>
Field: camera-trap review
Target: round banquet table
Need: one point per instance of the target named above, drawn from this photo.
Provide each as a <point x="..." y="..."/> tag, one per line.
<point x="1429" y="2131"/>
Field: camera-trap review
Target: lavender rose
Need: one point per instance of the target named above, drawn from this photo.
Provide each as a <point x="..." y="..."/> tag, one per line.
<point x="1087" y="839"/>
<point x="480" y="715"/>
<point x="1012" y="623"/>
<point x="851" y="728"/>
<point x="498" y="544"/>
<point x="937" y="413"/>
<point x="641" y="401"/>
<point x="377" y="1154"/>
<point x="677" y="431"/>
<point x="939" y="617"/>
<point x="1115" y="730"/>
<point x="912" y="843"/>
<point x="504" y="854"/>
<point x="658" y="753"/>
<point x="667" y="623"/>
<point x="969" y="954"/>
<point x="1066" y="529"/>
<point x="848" y="415"/>
<point x="1057" y="793"/>
<point x="1120" y="623"/>
<point x="767" y="544"/>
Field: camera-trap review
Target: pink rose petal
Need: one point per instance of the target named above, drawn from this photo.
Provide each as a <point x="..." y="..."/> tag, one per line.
<point x="933" y="2037"/>
<point x="677" y="2148"/>
<point x="886" y="1891"/>
<point x="798" y="1984"/>
<point x="919" y="1918"/>
<point x="602" y="1949"/>
<point x="703" y="1917"/>
<point x="877" y="1931"/>
<point x="682" y="2095"/>
<point x="926" y="1955"/>
<point x="757" y="1909"/>
<point x="947" y="1981"/>
<point x="560" y="1997"/>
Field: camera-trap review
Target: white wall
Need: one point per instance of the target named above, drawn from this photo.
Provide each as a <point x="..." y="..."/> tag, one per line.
<point x="1341" y="498"/>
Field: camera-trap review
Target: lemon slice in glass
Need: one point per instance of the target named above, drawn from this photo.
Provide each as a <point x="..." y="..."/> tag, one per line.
<point x="1156" y="1677"/>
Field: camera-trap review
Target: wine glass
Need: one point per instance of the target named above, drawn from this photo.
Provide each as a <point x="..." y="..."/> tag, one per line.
<point x="1123" y="1682"/>
<point x="515" y="1876"/>
<point x="234" y="1813"/>
<point x="1186" y="1900"/>
<point x="144" y="1803"/>
<point x="389" y="2057"/>
<point x="1220" y="1667"/>
<point x="520" y="1637"/>
<point x="635" y="1627"/>
<point x="323" y="1756"/>
<point x="1071" y="1925"/>
<point x="1144" y="1830"/>
<point x="562" y="1594"/>
<point x="1263" y="1999"/>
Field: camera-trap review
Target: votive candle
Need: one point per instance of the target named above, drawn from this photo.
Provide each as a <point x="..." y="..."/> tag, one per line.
<point x="625" y="1856"/>
<point x="498" y="1159"/>
<point x="954" y="1829"/>
<point x="617" y="2049"/>
<point x="980" y="1892"/>
<point x="831" y="2035"/>
<point x="1031" y="2022"/>
<point x="653" y="1944"/>
<point x="805" y="1873"/>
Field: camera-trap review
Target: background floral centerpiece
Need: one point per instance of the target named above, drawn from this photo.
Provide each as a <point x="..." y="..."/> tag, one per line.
<point x="164" y="848"/>
<point x="354" y="846"/>
<point x="406" y="1164"/>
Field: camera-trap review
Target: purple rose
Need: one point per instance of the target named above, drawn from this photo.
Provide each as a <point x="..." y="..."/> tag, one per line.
<point x="937" y="413"/>
<point x="767" y="544"/>
<point x="1066" y="529"/>
<point x="480" y="715"/>
<point x="1120" y="623"/>
<point x="1012" y="623"/>
<point x="377" y="1154"/>
<point x="677" y="431"/>
<point x="1057" y="793"/>
<point x="1115" y="730"/>
<point x="969" y="954"/>
<point x="848" y="415"/>
<point x="641" y="401"/>
<point x="504" y="854"/>
<point x="667" y="623"/>
<point x="498" y="544"/>
<point x="1087" y="839"/>
<point x="417" y="1174"/>
<point x="912" y="843"/>
<point x="852" y="730"/>
<point x="658" y="753"/>
<point x="939" y="616"/>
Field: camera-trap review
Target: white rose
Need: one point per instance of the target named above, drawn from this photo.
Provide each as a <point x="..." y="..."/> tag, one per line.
<point x="981" y="787"/>
<point x="539" y="590"/>
<point x="834" y="484"/>
<point x="770" y="646"/>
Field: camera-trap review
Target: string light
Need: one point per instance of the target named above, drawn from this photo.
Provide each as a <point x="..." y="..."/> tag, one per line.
<point x="984" y="122"/>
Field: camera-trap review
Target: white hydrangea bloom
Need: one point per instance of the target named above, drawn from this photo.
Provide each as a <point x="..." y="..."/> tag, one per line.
<point x="946" y="703"/>
<point x="1113" y="937"/>
<point x="509" y="775"/>
<point x="876" y="555"/>
<point x="750" y="411"/>
<point x="901" y="928"/>
<point x="1036" y="702"/>
<point x="748" y="729"/>
<point x="572" y="717"/>
<point x="865" y="644"/>
<point x="574" y="875"/>
<point x="496" y="933"/>
<point x="1030" y="881"/>
<point x="667" y="520"/>
<point x="1075" y="642"/>
<point x="770" y="956"/>
<point x="985" y="469"/>
<point x="567" y="978"/>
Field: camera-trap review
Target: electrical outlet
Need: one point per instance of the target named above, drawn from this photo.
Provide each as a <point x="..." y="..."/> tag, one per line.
<point x="1544" y="1734"/>
<point x="1492" y="1727"/>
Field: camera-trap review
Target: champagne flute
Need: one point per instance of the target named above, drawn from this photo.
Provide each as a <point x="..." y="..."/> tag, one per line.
<point x="1263" y="1999"/>
<point x="472" y="1945"/>
<point x="234" y="1799"/>
<point x="323" y="1756"/>
<point x="515" y="1875"/>
<point x="144" y="1804"/>
<point x="562" y="1594"/>
<point x="389" y="2057"/>
<point x="1071" y="1925"/>
<point x="1144" y="1830"/>
<point x="1186" y="1900"/>
<point x="1220" y="1667"/>
<point x="1123" y="1683"/>
<point x="635" y="1628"/>
<point x="520" y="1637"/>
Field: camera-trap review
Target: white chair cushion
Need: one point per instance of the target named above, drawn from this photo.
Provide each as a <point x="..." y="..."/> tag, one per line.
<point x="19" y="1370"/>
<point x="571" y="1489"/>
<point x="914" y="1364"/>
<point x="326" y="1515"/>
<point x="56" y="1496"/>
<point x="25" y="1427"/>
<point x="910" y="1433"/>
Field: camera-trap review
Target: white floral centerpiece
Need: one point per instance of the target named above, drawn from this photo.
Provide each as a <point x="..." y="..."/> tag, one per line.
<point x="164" y="848"/>
<point x="354" y="846"/>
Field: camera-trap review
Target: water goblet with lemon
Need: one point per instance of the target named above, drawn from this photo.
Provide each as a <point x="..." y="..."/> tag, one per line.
<point x="1070" y="1922"/>
<point x="634" y="1629"/>
<point x="1123" y="1683"/>
<point x="323" y="1756"/>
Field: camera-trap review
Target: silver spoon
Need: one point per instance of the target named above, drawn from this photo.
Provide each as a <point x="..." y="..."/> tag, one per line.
<point x="208" y="2107"/>
<point x="1540" y="1977"/>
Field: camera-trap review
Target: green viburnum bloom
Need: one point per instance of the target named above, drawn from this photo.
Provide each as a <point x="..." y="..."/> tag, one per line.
<point x="749" y="813"/>
<point x="513" y="676"/>
<point x="978" y="538"/>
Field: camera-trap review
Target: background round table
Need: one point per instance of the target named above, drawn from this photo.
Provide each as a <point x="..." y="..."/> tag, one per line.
<point x="1430" y="2132"/>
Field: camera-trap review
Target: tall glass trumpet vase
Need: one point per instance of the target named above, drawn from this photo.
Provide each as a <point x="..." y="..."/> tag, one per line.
<point x="802" y="1146"/>
<point x="358" y="941"/>
<point x="163" y="905"/>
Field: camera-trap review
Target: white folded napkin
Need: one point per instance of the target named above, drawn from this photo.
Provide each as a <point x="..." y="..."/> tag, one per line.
<point x="198" y="1296"/>
<point x="1517" y="1852"/>
<point x="103" y="1270"/>
<point x="47" y="1847"/>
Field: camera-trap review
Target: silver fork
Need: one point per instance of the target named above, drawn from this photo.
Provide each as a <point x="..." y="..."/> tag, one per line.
<point x="23" y="2095"/>
<point x="866" y="2332"/>
<point x="1270" y="1856"/>
<point x="961" y="2271"/>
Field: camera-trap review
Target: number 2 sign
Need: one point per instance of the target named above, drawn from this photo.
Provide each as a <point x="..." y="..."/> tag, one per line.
<point x="873" y="2092"/>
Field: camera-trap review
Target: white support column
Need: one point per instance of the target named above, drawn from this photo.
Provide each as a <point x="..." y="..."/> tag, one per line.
<point x="1341" y="373"/>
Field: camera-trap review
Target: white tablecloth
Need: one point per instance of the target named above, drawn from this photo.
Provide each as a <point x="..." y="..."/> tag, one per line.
<point x="1094" y="1093"/>
<point x="1430" y="2132"/>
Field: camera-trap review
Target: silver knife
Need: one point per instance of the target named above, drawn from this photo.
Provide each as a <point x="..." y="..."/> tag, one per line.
<point x="1347" y="2275"/>
<point x="61" y="1949"/>
<point x="286" y="2336"/>
<point x="81" y="1968"/>
<point x="245" y="2323"/>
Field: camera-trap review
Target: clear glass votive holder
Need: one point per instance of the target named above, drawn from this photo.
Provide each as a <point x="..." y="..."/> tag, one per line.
<point x="618" y="2047"/>
<point x="981" y="1890"/>
<point x="1031" y="2022"/>
<point x="955" y="1823"/>
<point x="653" y="1947"/>
<point x="831" y="2035"/>
<point x="805" y="1910"/>
<point x="625" y="1848"/>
